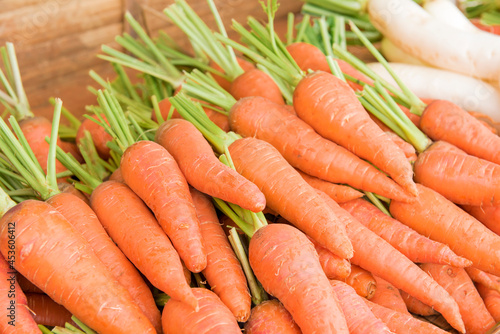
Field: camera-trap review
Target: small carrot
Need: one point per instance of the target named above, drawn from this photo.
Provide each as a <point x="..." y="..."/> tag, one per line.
<point x="488" y="215"/>
<point x="337" y="192"/>
<point x="117" y="176"/>
<point x="491" y="300"/>
<point x="99" y="136"/>
<point x="271" y="317"/>
<point x="362" y="282"/>
<point x="224" y="83"/>
<point x="333" y="266"/>
<point x="387" y="295"/>
<point x="256" y="83"/>
<point x="416" y="306"/>
<point x="485" y="279"/>
<point x="46" y="311"/>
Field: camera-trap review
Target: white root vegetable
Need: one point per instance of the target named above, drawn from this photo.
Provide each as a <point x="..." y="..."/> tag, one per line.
<point x="394" y="54"/>
<point x="466" y="92"/>
<point x="447" y="12"/>
<point x="419" y="34"/>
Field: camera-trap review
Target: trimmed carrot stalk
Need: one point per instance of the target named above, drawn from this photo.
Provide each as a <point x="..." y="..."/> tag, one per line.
<point x="289" y="195"/>
<point x="256" y="83"/>
<point x="443" y="120"/>
<point x="358" y="315"/>
<point x="306" y="150"/>
<point x="387" y="295"/>
<point x="333" y="266"/>
<point x="117" y="176"/>
<point x="434" y="216"/>
<point x="152" y="173"/>
<point x="72" y="149"/>
<point x="402" y="323"/>
<point x="413" y="245"/>
<point x="416" y="306"/>
<point x="68" y="188"/>
<point x="362" y="281"/>
<point x="271" y="317"/>
<point x="26" y="285"/>
<point x="203" y="170"/>
<point x="485" y="279"/>
<point x="337" y="192"/>
<point x="488" y="215"/>
<point x="476" y="317"/>
<point x="491" y="300"/>
<point x="99" y="136"/>
<point x="286" y="264"/>
<point x="46" y="311"/>
<point x="213" y="316"/>
<point x="16" y="317"/>
<point x="223" y="271"/>
<point x="330" y="106"/>
<point x="224" y="83"/>
<point x="78" y="280"/>
<point x="85" y="221"/>
<point x="461" y="178"/>
<point x="133" y="227"/>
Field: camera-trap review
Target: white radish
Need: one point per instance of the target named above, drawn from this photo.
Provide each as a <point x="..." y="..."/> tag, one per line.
<point x="426" y="82"/>
<point x="394" y="54"/>
<point x="446" y="12"/>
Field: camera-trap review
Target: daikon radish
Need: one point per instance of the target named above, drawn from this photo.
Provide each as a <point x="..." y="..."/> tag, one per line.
<point x="394" y="54"/>
<point x="447" y="12"/>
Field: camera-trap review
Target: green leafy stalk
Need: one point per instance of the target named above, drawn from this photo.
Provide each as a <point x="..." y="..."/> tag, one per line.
<point x="6" y="203"/>
<point x="82" y="325"/>
<point x="347" y="7"/>
<point x="51" y="162"/>
<point x="377" y="202"/>
<point x="162" y="299"/>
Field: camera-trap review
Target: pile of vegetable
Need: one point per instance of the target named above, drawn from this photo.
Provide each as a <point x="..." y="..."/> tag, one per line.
<point x="264" y="186"/>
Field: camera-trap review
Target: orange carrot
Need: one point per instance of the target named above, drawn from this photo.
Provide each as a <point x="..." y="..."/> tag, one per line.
<point x="152" y="173"/>
<point x="434" y="216"/>
<point x="26" y="285"/>
<point x="488" y="215"/>
<point x="333" y="110"/>
<point x="224" y="83"/>
<point x="333" y="266"/>
<point x="406" y="147"/>
<point x="203" y="170"/>
<point x="117" y="176"/>
<point x="72" y="149"/>
<point x="99" y="136"/>
<point x="416" y="306"/>
<point x="46" y="311"/>
<point x="485" y="279"/>
<point x="53" y="255"/>
<point x="387" y="295"/>
<point x="362" y="282"/>
<point x="358" y="315"/>
<point x="256" y="83"/>
<point x="414" y="246"/>
<point x="213" y="316"/>
<point x="68" y="188"/>
<point x="271" y="317"/>
<point x="337" y="192"/>
<point x="476" y="317"/>
<point x="286" y="264"/>
<point x="491" y="300"/>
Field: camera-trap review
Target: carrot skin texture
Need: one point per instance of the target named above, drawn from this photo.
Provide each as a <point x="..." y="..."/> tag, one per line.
<point x="362" y="281"/>
<point x="256" y="83"/>
<point x="26" y="285"/>
<point x="416" y="306"/>
<point x="288" y="194"/>
<point x="337" y="192"/>
<point x="434" y="216"/>
<point x="117" y="176"/>
<point x="286" y="264"/>
<point x="488" y="215"/>
<point x="333" y="266"/>
<point x="476" y="317"/>
<point x="46" y="311"/>
<point x="80" y="282"/>
<point x="414" y="246"/>
<point x="480" y="277"/>
<point x="152" y="173"/>
<point x="133" y="227"/>
<point x="99" y="136"/>
<point x="271" y="317"/>
<point x="330" y="106"/>
<point x="213" y="317"/>
<point x="203" y="170"/>
<point x="224" y="83"/>
<point x="491" y="300"/>
<point x="70" y="189"/>
<point x="387" y="295"/>
<point x="358" y="315"/>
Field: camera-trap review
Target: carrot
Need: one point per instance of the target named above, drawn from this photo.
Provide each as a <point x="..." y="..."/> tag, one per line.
<point x="224" y="83"/>
<point x="223" y="271"/>
<point x="213" y="316"/>
<point x="333" y="266"/>
<point x="161" y="185"/>
<point x="26" y="285"/>
<point x="461" y="178"/>
<point x="46" y="311"/>
<point x="406" y="147"/>
<point x="305" y="149"/>
<point x="70" y="189"/>
<point x="117" y="176"/>
<point x="434" y="216"/>
<point x="416" y="306"/>
<point x="72" y="149"/>
<point x="387" y="295"/>
<point x="358" y="315"/>
<point x="256" y="83"/>
<point x="491" y="300"/>
<point x="333" y="110"/>
<point x="337" y="192"/>
<point x="362" y="282"/>
<point x="288" y="194"/>
<point x="488" y="215"/>
<point x="485" y="279"/>
<point x="54" y="256"/>
<point x="99" y="135"/>
<point x="443" y="120"/>
<point x="133" y="227"/>
<point x="203" y="170"/>
<point x="271" y="317"/>
<point x="456" y="281"/>
<point x="286" y="264"/>
<point x="414" y="246"/>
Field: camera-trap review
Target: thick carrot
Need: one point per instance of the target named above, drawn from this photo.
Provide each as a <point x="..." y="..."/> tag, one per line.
<point x="333" y="266"/>
<point x="46" y="311"/>
<point x="85" y="221"/>
<point x="117" y="176"/>
<point x="416" y="306"/>
<point x="443" y="120"/>
<point x="358" y="315"/>
<point x="461" y="178"/>
<point x="485" y="279"/>
<point x="288" y="194"/>
<point x="305" y="149"/>
<point x="133" y="227"/>
<point x="330" y="106"/>
<point x="99" y="136"/>
<point x="362" y="281"/>
<point x="387" y="295"/>
<point x="271" y="317"/>
<point x="337" y="192"/>
<point x="223" y="271"/>
<point x="434" y="216"/>
<point x="488" y="215"/>
<point x="203" y="170"/>
<point x="256" y="83"/>
<point x="26" y="285"/>
<point x="414" y="246"/>
<point x="224" y="83"/>
<point x="476" y="317"/>
<point x="491" y="300"/>
<point x="213" y="316"/>
<point x="53" y="255"/>
<point x="286" y="264"/>
<point x="152" y="173"/>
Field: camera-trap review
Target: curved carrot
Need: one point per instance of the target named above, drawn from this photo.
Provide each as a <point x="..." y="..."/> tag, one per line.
<point x="288" y="194"/>
<point x="491" y="300"/>
<point x="224" y="83"/>
<point x="256" y="83"/>
<point x="133" y="227"/>
<point x="46" y="311"/>
<point x="485" y="279"/>
<point x="434" y="216"/>
<point x="286" y="264"/>
<point x="362" y="281"/>
<point x="330" y="106"/>
<point x="337" y="192"/>
<point x="85" y="221"/>
<point x="271" y="317"/>
<point x="488" y="215"/>
<point x="213" y="317"/>
<point x="387" y="295"/>
<point x="99" y="136"/>
<point x="203" y="170"/>
<point x="305" y="149"/>
<point x="223" y="271"/>
<point x="416" y="306"/>
<point x="333" y="266"/>
<point x="152" y="173"/>
<point x="54" y="256"/>
<point x="413" y="245"/>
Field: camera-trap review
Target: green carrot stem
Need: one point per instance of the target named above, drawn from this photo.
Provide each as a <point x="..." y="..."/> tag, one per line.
<point x="289" y="28"/>
<point x="377" y="203"/>
<point x="199" y="281"/>
<point x="73" y="329"/>
<point x="16" y="74"/>
<point x="82" y="325"/>
<point x="162" y="299"/>
<point x="6" y="203"/>
<point x="73" y="165"/>
<point x="334" y="68"/>
<point x="122" y="75"/>
<point x="349" y="7"/>
<point x="490" y="18"/>
<point x="325" y="37"/>
<point x="44" y="329"/>
<point x="66" y="173"/>
<point x="51" y="161"/>
<point x="75" y="122"/>
<point x="365" y="101"/>
<point x="226" y="209"/>
<point x="283" y="86"/>
<point x="156" y="109"/>
<point x="360" y="20"/>
<point x="302" y="28"/>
